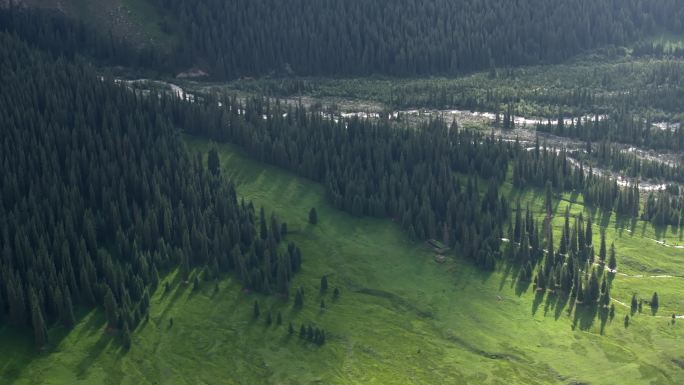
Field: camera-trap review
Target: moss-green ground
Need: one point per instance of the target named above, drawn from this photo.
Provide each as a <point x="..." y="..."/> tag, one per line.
<point x="401" y="317"/>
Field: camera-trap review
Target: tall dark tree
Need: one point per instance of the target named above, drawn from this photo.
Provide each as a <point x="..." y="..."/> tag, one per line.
<point x="313" y="216"/>
<point x="39" y="328"/>
<point x="213" y="161"/>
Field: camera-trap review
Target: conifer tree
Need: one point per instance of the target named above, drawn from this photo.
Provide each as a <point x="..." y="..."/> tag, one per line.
<point x="324" y="284"/>
<point x="602" y="249"/>
<point x="39" y="328"/>
<point x="634" y="304"/>
<point x="126" y="336"/>
<point x="612" y="261"/>
<point x="213" y="161"/>
<point x="654" y="303"/>
<point x="313" y="216"/>
<point x="255" y="311"/>
<point x="111" y="307"/>
<point x="299" y="299"/>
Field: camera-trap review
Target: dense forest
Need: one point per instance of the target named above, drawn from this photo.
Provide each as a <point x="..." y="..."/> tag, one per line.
<point x="68" y="37"/>
<point x="100" y="198"/>
<point x="438" y="181"/>
<point x="618" y="127"/>
<point x="407" y="37"/>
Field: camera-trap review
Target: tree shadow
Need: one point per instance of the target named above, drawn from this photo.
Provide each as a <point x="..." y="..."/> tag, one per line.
<point x="521" y="286"/>
<point x="538" y="298"/>
<point x="550" y="302"/>
<point x="584" y="316"/>
<point x="603" y="317"/>
<point x="621" y="222"/>
<point x="93" y="352"/>
<point x="561" y="302"/>
<point x="604" y="218"/>
<point x="510" y="271"/>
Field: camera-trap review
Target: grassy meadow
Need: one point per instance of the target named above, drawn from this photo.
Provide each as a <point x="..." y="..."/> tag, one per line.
<point x="401" y="318"/>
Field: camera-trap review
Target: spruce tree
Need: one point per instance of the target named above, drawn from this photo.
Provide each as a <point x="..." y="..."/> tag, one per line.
<point x="548" y="200"/>
<point x="255" y="311"/>
<point x="634" y="304"/>
<point x="299" y="299"/>
<point x="126" y="337"/>
<point x="111" y="308"/>
<point x="313" y="216"/>
<point x="39" y="328"/>
<point x="612" y="261"/>
<point x="68" y="319"/>
<point x="602" y="249"/>
<point x="213" y="161"/>
<point x="324" y="284"/>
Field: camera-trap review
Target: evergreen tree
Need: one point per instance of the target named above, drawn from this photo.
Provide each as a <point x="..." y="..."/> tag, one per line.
<point x="39" y="328"/>
<point x="324" y="284"/>
<point x="548" y="201"/>
<point x="299" y="299"/>
<point x="313" y="216"/>
<point x="111" y="307"/>
<point x="612" y="261"/>
<point x="213" y="162"/>
<point x="126" y="337"/>
<point x="602" y="249"/>
<point x="634" y="304"/>
<point x="68" y="319"/>
<point x="654" y="303"/>
<point x="255" y="311"/>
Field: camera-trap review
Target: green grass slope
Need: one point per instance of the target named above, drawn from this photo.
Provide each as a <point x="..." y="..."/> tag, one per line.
<point x="401" y="317"/>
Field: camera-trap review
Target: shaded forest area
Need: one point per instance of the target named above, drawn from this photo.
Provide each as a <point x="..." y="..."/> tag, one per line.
<point x="240" y="38"/>
<point x="405" y="37"/>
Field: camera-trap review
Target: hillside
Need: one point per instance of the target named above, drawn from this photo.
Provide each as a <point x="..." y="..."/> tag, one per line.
<point x="401" y="317"/>
<point x="408" y="192"/>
